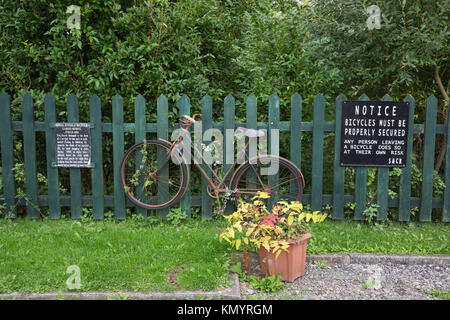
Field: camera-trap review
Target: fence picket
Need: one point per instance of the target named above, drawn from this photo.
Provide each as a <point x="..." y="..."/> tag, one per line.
<point x="52" y="172"/>
<point x="163" y="133"/>
<point x="317" y="153"/>
<point x="97" y="157"/>
<point x="29" y="150"/>
<point x="228" y="133"/>
<point x="383" y="186"/>
<point x="252" y="123"/>
<point x="296" y="134"/>
<point x="360" y="185"/>
<point x="405" y="178"/>
<point x="185" y="108"/>
<point x="118" y="151"/>
<point x="428" y="159"/>
<point x="6" y="133"/>
<point x="75" y="173"/>
<point x="207" y="123"/>
<point x="446" y="206"/>
<point x="339" y="172"/>
<point x="273" y="142"/>
<point x="139" y="136"/>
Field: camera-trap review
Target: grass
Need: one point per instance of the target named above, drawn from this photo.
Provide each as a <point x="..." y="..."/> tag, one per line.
<point x="440" y="294"/>
<point x="148" y="255"/>
<point x="321" y="264"/>
<point x="393" y="238"/>
<point x="117" y="256"/>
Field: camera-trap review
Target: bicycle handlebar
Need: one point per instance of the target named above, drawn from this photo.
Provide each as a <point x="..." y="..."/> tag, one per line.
<point x="190" y="119"/>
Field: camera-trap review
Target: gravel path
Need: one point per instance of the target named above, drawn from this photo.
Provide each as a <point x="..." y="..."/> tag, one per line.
<point x="388" y="281"/>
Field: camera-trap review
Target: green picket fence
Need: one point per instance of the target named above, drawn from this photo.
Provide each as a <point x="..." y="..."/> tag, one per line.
<point x="98" y="200"/>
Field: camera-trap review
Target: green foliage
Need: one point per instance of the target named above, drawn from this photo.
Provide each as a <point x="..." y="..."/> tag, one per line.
<point x="387" y="238"/>
<point x="216" y="47"/>
<point x="112" y="256"/>
<point x="59" y="295"/>
<point x="129" y="47"/>
<point x="88" y="215"/>
<point x="275" y="57"/>
<point x="176" y="216"/>
<point x="368" y="284"/>
<point x="371" y="210"/>
<point x="120" y="296"/>
<point x="252" y="224"/>
<point x="202" y="297"/>
<point x="441" y="294"/>
<point x="271" y="283"/>
<point x="321" y="264"/>
<point x="398" y="58"/>
<point x="370" y="213"/>
<point x="237" y="268"/>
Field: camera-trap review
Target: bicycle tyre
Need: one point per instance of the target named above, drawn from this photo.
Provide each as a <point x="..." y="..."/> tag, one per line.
<point x="298" y="179"/>
<point x="184" y="171"/>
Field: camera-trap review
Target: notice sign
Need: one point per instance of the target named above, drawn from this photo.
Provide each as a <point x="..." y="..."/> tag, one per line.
<point x="374" y="133"/>
<point x="73" y="145"/>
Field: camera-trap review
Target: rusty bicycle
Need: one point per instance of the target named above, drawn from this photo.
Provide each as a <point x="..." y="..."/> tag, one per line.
<point x="155" y="174"/>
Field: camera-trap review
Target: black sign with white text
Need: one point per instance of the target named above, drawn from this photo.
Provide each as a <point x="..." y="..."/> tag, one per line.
<point x="73" y="145"/>
<point x="374" y="133"/>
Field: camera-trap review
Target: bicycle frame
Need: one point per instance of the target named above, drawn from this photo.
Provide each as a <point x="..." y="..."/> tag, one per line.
<point x="220" y="187"/>
<point x="215" y="184"/>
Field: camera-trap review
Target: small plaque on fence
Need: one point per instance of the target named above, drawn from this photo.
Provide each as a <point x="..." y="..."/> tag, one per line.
<point x="73" y="145"/>
<point x="374" y="133"/>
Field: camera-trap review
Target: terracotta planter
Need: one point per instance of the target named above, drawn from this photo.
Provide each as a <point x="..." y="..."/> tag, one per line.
<point x="291" y="263"/>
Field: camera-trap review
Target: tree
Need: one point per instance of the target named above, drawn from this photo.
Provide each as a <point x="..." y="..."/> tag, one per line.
<point x="406" y="54"/>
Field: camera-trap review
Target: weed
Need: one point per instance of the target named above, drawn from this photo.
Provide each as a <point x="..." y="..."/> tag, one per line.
<point x="109" y="215"/>
<point x="370" y="213"/>
<point x="237" y="268"/>
<point x="267" y="284"/>
<point x="321" y="264"/>
<point x="271" y="283"/>
<point x="201" y="297"/>
<point x="87" y="216"/>
<point x="176" y="216"/>
<point x="59" y="295"/>
<point x="120" y="296"/>
<point x="440" y="294"/>
<point x="369" y="284"/>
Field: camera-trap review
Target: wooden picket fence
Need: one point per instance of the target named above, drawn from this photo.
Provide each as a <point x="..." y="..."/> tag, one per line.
<point x="98" y="200"/>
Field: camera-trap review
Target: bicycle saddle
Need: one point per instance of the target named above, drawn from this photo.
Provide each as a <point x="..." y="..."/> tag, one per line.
<point x="251" y="133"/>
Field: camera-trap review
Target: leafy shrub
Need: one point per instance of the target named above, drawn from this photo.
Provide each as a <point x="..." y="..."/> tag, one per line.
<point x="271" y="283"/>
<point x="176" y="216"/>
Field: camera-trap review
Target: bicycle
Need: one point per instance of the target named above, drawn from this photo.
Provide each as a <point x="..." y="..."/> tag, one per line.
<point x="155" y="174"/>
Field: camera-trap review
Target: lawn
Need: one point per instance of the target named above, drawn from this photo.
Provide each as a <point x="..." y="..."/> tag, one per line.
<point x="149" y="255"/>
<point x="393" y="238"/>
<point x="129" y="255"/>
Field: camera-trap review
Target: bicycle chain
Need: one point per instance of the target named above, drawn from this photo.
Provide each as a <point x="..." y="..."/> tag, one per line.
<point x="228" y="194"/>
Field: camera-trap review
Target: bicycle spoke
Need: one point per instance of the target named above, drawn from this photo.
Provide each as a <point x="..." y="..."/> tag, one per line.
<point x="286" y="184"/>
<point x="151" y="180"/>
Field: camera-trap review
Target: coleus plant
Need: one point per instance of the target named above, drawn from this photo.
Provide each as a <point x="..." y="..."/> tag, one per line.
<point x="253" y="224"/>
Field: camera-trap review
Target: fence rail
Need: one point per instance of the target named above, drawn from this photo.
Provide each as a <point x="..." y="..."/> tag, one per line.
<point x="296" y="126"/>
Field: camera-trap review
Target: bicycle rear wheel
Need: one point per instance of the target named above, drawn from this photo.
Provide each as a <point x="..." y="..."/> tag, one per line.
<point x="285" y="183"/>
<point x="151" y="178"/>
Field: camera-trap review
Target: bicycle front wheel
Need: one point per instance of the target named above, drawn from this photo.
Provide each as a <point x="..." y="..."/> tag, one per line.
<point x="275" y="175"/>
<point x="153" y="177"/>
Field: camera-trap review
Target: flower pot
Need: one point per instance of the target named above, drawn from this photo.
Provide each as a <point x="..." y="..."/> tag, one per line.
<point x="291" y="263"/>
